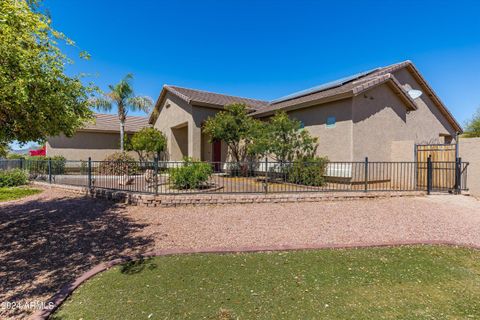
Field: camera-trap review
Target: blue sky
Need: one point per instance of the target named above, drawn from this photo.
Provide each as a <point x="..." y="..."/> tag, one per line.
<point x="268" y="49"/>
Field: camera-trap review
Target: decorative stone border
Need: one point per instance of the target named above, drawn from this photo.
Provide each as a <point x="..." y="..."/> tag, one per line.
<point x="67" y="290"/>
<point x="150" y="200"/>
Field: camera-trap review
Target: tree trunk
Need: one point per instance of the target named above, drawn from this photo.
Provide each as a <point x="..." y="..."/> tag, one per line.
<point x="122" y="133"/>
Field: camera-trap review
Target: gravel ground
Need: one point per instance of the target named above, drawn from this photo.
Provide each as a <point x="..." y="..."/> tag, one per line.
<point x="47" y="240"/>
<point x="434" y="218"/>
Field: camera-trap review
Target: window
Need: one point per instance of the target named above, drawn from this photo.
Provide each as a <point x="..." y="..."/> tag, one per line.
<point x="331" y="122"/>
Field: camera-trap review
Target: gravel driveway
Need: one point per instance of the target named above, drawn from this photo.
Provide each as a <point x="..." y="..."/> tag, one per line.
<point x="47" y="240"/>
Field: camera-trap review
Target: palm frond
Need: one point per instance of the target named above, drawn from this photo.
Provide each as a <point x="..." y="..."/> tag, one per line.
<point x="100" y="103"/>
<point x="125" y="87"/>
<point x="142" y="103"/>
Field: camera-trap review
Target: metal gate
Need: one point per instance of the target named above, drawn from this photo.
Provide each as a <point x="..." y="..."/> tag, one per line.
<point x="439" y="168"/>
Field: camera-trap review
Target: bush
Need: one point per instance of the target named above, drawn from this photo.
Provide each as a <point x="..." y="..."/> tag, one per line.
<point x="13" y="178"/>
<point x="14" y="156"/>
<point x="308" y="171"/>
<point x="118" y="163"/>
<point x="39" y="164"/>
<point x="192" y="175"/>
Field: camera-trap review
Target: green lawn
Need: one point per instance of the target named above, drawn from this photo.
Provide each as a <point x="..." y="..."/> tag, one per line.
<point x="13" y="193"/>
<point x="416" y="282"/>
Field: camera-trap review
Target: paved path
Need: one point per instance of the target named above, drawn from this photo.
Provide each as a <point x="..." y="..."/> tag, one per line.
<point x="47" y="240"/>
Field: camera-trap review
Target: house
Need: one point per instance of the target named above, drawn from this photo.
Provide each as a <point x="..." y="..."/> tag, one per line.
<point x="380" y="114"/>
<point x="96" y="140"/>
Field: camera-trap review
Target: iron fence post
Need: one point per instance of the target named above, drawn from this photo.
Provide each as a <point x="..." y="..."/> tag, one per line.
<point x="49" y="170"/>
<point x="366" y="174"/>
<point x="429" y="174"/>
<point x="89" y="173"/>
<point x="266" y="174"/>
<point x="458" y="175"/>
<point x="155" y="179"/>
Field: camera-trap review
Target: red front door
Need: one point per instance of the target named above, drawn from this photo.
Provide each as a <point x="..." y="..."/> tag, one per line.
<point x="217" y="155"/>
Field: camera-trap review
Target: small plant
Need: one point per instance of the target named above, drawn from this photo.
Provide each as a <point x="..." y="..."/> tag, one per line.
<point x="13" y="178"/>
<point x="118" y="163"/>
<point x="192" y="175"/>
<point x="308" y="171"/>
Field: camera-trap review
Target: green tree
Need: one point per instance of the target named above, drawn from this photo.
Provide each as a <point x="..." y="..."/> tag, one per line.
<point x="284" y="139"/>
<point x="147" y="143"/>
<point x="235" y="127"/>
<point x="3" y="149"/>
<point x="472" y="128"/>
<point x="123" y="96"/>
<point x="37" y="98"/>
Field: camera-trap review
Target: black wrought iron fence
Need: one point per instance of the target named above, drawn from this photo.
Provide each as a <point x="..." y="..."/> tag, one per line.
<point x="170" y="177"/>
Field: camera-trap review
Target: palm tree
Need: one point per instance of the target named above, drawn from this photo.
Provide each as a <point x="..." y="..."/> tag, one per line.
<point x="123" y="96"/>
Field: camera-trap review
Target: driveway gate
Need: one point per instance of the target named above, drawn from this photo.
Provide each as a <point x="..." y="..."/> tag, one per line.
<point x="439" y="168"/>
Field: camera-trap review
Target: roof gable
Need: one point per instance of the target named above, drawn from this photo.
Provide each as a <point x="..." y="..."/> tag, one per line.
<point x="204" y="98"/>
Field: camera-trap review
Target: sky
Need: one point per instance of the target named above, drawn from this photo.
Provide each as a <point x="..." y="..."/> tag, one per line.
<point x="268" y="49"/>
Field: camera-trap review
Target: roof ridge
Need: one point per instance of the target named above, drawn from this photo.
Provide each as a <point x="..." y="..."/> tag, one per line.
<point x="114" y="115"/>
<point x="211" y="92"/>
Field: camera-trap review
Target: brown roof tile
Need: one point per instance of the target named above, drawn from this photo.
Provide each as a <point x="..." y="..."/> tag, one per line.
<point x="110" y="123"/>
<point x="349" y="87"/>
<point x="339" y="89"/>
<point x="198" y="96"/>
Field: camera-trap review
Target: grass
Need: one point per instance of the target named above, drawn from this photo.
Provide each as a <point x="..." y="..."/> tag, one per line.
<point x="13" y="193"/>
<point x="414" y="282"/>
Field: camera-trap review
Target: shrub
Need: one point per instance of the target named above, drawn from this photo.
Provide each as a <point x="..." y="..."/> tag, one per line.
<point x="13" y="178"/>
<point x="308" y="171"/>
<point x="148" y="143"/>
<point x="118" y="163"/>
<point x="39" y="164"/>
<point x="192" y="175"/>
<point x="14" y="156"/>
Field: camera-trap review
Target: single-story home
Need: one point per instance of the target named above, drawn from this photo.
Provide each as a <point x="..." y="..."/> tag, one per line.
<point x="380" y="114"/>
<point x="96" y="140"/>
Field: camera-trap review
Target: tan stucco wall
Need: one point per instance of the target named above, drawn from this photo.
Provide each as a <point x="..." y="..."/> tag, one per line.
<point x="207" y="149"/>
<point x="177" y="114"/>
<point x="200" y="115"/>
<point x="427" y="122"/>
<point x="469" y="151"/>
<point x="403" y="151"/>
<point x="179" y="143"/>
<point x="335" y="143"/>
<point x="380" y="117"/>
<point x="83" y="145"/>
<point x="180" y="114"/>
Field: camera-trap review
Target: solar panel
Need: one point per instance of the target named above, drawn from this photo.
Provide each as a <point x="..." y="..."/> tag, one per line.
<point x="323" y="87"/>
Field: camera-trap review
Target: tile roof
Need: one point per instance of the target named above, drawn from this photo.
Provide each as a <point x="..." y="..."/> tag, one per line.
<point x="339" y="89"/>
<point x="110" y="123"/>
<point x="348" y="87"/>
<point x="198" y="96"/>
